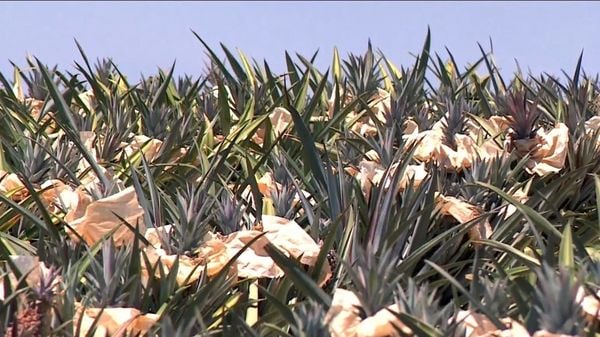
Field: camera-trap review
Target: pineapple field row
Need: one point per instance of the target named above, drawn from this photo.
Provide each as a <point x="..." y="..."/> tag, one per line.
<point x="362" y="200"/>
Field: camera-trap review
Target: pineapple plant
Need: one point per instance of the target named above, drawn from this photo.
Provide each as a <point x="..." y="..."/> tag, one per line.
<point x="366" y="200"/>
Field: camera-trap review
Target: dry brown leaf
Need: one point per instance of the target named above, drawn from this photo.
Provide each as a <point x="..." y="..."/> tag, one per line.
<point x="372" y="155"/>
<point x="410" y="127"/>
<point x="288" y="236"/>
<point x="91" y="182"/>
<point x="369" y="173"/>
<point x="214" y="256"/>
<point x="501" y="123"/>
<point x="88" y="138"/>
<point x="430" y="144"/>
<point x="150" y="148"/>
<point x="464" y="212"/>
<point x="100" y="218"/>
<point x="35" y="105"/>
<point x="267" y="184"/>
<point x="379" y="105"/>
<point x="514" y="329"/>
<point x="189" y="269"/>
<point x="254" y="262"/>
<point x="113" y="321"/>
<point x="475" y="324"/>
<point x="467" y="150"/>
<point x="415" y="172"/>
<point x="490" y="150"/>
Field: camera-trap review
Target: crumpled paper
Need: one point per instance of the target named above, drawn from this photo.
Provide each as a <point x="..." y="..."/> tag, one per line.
<point x="343" y="318"/>
<point x="464" y="212"/>
<point x="211" y="256"/>
<point x="113" y="321"/>
<point x="267" y="184"/>
<point x="460" y="158"/>
<point x="545" y="333"/>
<point x="379" y="105"/>
<point x="58" y="196"/>
<point x="478" y="325"/>
<point x="548" y="150"/>
<point x="521" y="196"/>
<point x="100" y="218"/>
<point x="35" y="105"/>
<point x="590" y="305"/>
<point x="286" y="235"/>
<point x="254" y="262"/>
<point x="371" y="173"/>
<point x="11" y="184"/>
<point x="592" y="124"/>
<point x="149" y="147"/>
<point x="78" y="205"/>
<point x="34" y="269"/>
<point x="280" y="119"/>
<point x="430" y="146"/>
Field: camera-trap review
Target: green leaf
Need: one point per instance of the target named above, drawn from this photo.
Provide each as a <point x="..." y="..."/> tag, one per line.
<point x="472" y="301"/>
<point x="527" y="259"/>
<point x="532" y="216"/>
<point x="309" y="150"/>
<point x="565" y="253"/>
<point x="70" y="129"/>
<point x="237" y="68"/>
<point x="418" y="327"/>
<point x="163" y="89"/>
<point x="296" y="273"/>
<point x="597" y="185"/>
<point x="336" y="66"/>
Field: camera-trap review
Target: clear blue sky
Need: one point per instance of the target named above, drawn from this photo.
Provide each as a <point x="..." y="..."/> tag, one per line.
<point x="143" y="36"/>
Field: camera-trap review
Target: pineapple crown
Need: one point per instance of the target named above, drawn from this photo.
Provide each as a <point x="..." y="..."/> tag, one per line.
<point x="522" y="113"/>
